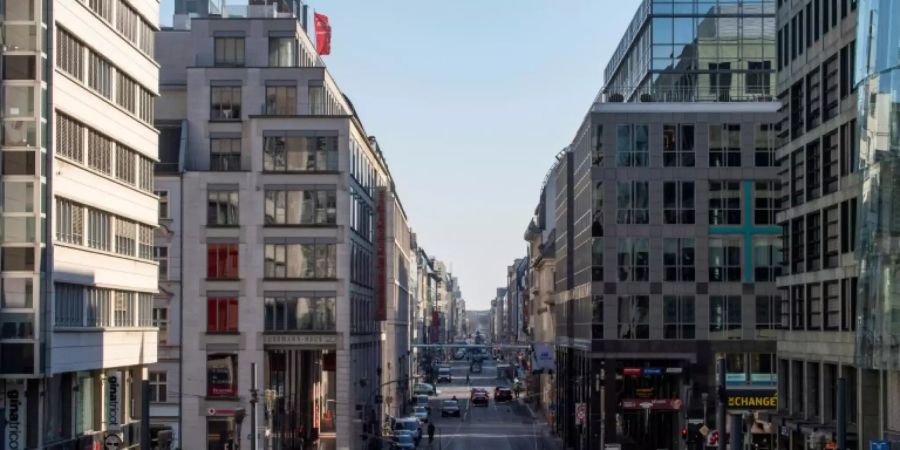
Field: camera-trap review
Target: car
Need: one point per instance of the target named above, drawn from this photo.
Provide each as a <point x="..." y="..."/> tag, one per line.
<point x="460" y="354"/>
<point x="422" y="400"/>
<point x="403" y="441"/>
<point x="450" y="408"/>
<point x="424" y="389"/>
<point x="480" y="399"/>
<point x="409" y="425"/>
<point x="444" y="375"/>
<point x="503" y="394"/>
<point x="421" y="413"/>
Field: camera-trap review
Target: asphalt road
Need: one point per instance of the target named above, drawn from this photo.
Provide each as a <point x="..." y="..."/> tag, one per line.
<point x="503" y="426"/>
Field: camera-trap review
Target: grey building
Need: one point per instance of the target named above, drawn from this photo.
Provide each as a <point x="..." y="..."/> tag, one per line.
<point x="695" y="50"/>
<point x="818" y="158"/>
<point x="277" y="188"/>
<point x="667" y="251"/>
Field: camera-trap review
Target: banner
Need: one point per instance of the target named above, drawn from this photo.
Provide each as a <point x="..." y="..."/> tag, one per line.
<point x="323" y="34"/>
<point x="542" y="357"/>
<point x="15" y="416"/>
<point x="114" y="400"/>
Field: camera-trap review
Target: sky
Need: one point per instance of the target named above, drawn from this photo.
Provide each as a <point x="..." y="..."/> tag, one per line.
<point x="470" y="101"/>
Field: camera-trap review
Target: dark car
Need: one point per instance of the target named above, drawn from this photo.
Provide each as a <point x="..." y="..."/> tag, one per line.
<point x="450" y="408"/>
<point x="503" y="394"/>
<point x="480" y="399"/>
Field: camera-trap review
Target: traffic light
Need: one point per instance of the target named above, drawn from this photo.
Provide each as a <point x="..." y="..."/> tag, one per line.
<point x="684" y="434"/>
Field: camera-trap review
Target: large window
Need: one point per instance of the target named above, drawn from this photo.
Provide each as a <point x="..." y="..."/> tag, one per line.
<point x="222" y="208"/>
<point x="768" y="312"/>
<point x="301" y="207"/>
<point x="300" y="261"/>
<point x="300" y="153"/>
<point x="281" y="100"/>
<point x="725" y="145"/>
<point x="229" y="51"/>
<point x="300" y="313"/>
<point x="99" y="151"/>
<point x="69" y="138"/>
<point x="224" y="154"/>
<point x="221" y="376"/>
<point x="724" y="203"/>
<point x="632" y="148"/>
<point x="126" y="162"/>
<point x="634" y="259"/>
<point x="222" y="261"/>
<point x="163" y="204"/>
<point x="767" y="257"/>
<point x="225" y="103"/>
<point x="69" y="54"/>
<point x="69" y="221"/>
<point x="724" y="312"/>
<point x="634" y="317"/>
<point x="281" y="51"/>
<point x="126" y="237"/>
<point x="678" y="145"/>
<point x="100" y="74"/>
<point x="678" y="202"/>
<point x="633" y="203"/>
<point x="678" y="317"/>
<point x="765" y="146"/>
<point x="678" y="259"/>
<point x="158" y="387"/>
<point x="766" y="202"/>
<point x="221" y="315"/>
<point x="99" y="229"/>
<point x="725" y="260"/>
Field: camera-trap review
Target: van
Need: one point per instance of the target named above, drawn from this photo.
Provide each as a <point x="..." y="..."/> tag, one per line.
<point x="444" y="375"/>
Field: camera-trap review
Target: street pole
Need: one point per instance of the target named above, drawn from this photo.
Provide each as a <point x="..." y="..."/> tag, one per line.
<point x="720" y="422"/>
<point x="145" y="408"/>
<point x="842" y="414"/>
<point x="254" y="398"/>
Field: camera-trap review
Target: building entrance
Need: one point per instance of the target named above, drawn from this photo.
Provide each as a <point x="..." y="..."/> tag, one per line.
<point x="650" y="430"/>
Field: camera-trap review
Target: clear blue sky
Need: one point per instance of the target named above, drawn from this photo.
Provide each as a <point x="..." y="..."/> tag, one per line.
<point x="470" y="101"/>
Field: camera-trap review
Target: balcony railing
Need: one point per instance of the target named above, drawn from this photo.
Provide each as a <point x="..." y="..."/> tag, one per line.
<point x="685" y="94"/>
<point x="79" y="307"/>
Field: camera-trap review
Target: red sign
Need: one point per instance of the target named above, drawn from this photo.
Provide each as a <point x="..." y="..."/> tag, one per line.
<point x="323" y="34"/>
<point x="380" y="257"/>
<point x="658" y="404"/>
<point x="631" y="371"/>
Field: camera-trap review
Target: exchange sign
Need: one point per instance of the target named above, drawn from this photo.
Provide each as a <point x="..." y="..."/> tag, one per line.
<point x="751" y="399"/>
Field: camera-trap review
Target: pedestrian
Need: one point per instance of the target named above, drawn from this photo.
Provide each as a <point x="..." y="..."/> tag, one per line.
<point x="430" y="433"/>
<point x="467" y="379"/>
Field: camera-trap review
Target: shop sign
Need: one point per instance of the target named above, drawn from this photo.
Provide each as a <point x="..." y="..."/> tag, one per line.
<point x="644" y="392"/>
<point x="300" y="339"/>
<point x="652" y="371"/>
<point x="751" y="398"/>
<point x="735" y="378"/>
<point x="657" y="404"/>
<point x="631" y="371"/>
<point x="879" y="445"/>
<point x="763" y="378"/>
<point x="674" y="370"/>
<point x="15" y="416"/>
<point x="113" y="400"/>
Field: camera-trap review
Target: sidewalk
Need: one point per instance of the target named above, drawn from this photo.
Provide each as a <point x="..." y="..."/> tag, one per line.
<point x="546" y="438"/>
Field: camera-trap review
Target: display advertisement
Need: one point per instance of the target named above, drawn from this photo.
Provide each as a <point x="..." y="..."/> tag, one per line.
<point x="542" y="354"/>
<point x="114" y="400"/>
<point x="15" y="415"/>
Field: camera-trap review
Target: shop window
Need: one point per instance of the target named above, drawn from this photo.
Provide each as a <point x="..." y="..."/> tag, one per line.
<point x="221" y="375"/>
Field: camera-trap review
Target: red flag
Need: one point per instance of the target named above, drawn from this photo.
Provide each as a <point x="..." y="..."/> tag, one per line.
<point x="323" y="34"/>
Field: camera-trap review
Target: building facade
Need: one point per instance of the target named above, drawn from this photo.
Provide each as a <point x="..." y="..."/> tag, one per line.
<point x="78" y="276"/>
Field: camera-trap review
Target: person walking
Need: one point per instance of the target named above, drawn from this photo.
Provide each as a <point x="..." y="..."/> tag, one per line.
<point x="430" y="433"/>
<point x="467" y="379"/>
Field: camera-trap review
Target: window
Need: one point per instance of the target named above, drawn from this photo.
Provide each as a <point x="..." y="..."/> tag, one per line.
<point x="126" y="21"/>
<point x="158" y="382"/>
<point x="69" y="305"/>
<point x="126" y="160"/>
<point x="301" y="207"/>
<point x="814" y="306"/>
<point x="300" y="314"/>
<point x="145" y="242"/>
<point x="126" y="92"/>
<point x="69" y="138"/>
<point x="634" y="259"/>
<point x="126" y="236"/>
<point x="831" y="217"/>
<point x="758" y="77"/>
<point x="766" y="202"/>
<point x="300" y="261"/>
<point x="160" y="320"/>
<point x="632" y="148"/>
<point x="222" y="208"/>
<point x="161" y="256"/>
<point x="98" y="310"/>
<point x="764" y="143"/>
<point x="145" y="173"/>
<point x="634" y="317"/>
<point x="100" y="73"/>
<point x="281" y="51"/>
<point x="678" y="202"/>
<point x="830" y="163"/>
<point x="768" y="312"/>
<point x="224" y="154"/>
<point x="597" y="158"/>
<point x="19" y="67"/>
<point x="813" y="101"/>
<point x="848" y="303"/>
<point x="146" y="102"/>
<point x="725" y="260"/>
<point x="678" y="259"/>
<point x="832" y="305"/>
<point x="103" y="8"/>
<point x="18" y="162"/>
<point x="300" y="153"/>
<point x="163" y="204"/>
<point x="678" y="317"/>
<point x="225" y="103"/>
<point x="678" y="145"/>
<point x="221" y="315"/>
<point x="724" y="203"/>
<point x="99" y="229"/>
<point x="849" y="148"/>
<point x="123" y="309"/>
<point x="69" y="221"/>
<point x="222" y="261"/>
<point x="724" y="313"/>
<point x="725" y="145"/>
<point x="848" y="226"/>
<point x="281" y="100"/>
<point x="221" y="380"/>
<point x="146" y="38"/>
<point x="597" y="221"/>
<point x="813" y="171"/>
<point x="767" y="257"/>
<point x="831" y="87"/>
<point x="813" y="241"/>
<point x="633" y="203"/>
<point x="99" y="152"/>
<point x="69" y="54"/>
<point x="597" y="259"/>
<point x="229" y="51"/>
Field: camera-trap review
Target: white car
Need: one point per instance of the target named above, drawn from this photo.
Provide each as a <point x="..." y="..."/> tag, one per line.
<point x="421" y="413"/>
<point x="424" y="389"/>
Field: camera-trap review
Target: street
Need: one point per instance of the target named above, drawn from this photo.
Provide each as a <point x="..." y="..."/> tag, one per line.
<point x="504" y="426"/>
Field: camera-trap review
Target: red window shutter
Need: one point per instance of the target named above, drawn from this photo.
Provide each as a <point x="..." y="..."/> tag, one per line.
<point x="222" y="315"/>
<point x="232" y="314"/>
<point x="210" y="314"/>
<point x="232" y="266"/>
<point x="211" y="260"/>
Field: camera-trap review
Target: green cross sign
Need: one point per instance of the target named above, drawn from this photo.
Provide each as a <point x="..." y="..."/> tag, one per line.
<point x="747" y="230"/>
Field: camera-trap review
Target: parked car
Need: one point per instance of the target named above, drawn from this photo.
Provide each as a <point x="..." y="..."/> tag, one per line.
<point x="422" y="400"/>
<point x="403" y="441"/>
<point x="424" y="389"/>
<point x="444" y="374"/>
<point x="450" y="408"/>
<point x="409" y="425"/>
<point x="503" y="394"/>
<point x="421" y="413"/>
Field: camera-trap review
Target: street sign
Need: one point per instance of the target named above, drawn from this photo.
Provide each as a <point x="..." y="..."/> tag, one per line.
<point x="879" y="445"/>
<point x="646" y="405"/>
<point x="112" y="442"/>
<point x="712" y="439"/>
<point x="581" y="412"/>
<point x="704" y="430"/>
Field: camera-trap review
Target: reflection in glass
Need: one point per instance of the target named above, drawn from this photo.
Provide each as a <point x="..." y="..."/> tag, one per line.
<point x="17" y="293"/>
<point x="20" y="37"/>
<point x="18" y="196"/>
<point x="18" y="101"/>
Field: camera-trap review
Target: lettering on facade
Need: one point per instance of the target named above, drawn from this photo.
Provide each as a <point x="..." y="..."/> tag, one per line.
<point x="746" y="399"/>
<point x="112" y="402"/>
<point x="15" y="418"/>
<point x="300" y="339"/>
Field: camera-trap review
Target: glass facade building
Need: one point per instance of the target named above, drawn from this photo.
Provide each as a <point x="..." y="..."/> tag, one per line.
<point x="878" y="84"/>
<point x="695" y="50"/>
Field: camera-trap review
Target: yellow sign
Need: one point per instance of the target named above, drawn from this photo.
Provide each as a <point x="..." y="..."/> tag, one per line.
<point x="747" y="399"/>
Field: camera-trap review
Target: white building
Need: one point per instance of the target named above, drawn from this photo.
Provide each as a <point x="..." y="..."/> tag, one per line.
<point x="270" y="240"/>
<point x="79" y="210"/>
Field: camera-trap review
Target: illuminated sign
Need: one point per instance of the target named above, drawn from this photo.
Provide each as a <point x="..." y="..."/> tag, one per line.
<point x="652" y="371"/>
<point x="751" y="399"/>
<point x="631" y="371"/>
